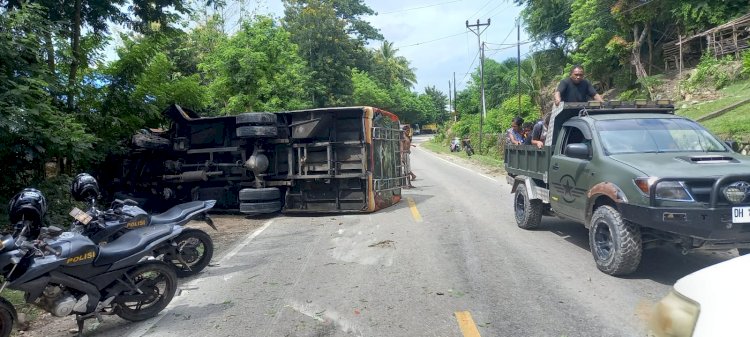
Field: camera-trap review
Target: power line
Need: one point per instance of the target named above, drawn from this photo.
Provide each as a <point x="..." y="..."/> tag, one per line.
<point x="438" y="39"/>
<point x="506" y="38"/>
<point x="491" y="11"/>
<point x="632" y="8"/>
<point x="471" y="65"/>
<point x="421" y="7"/>
<point x="480" y="8"/>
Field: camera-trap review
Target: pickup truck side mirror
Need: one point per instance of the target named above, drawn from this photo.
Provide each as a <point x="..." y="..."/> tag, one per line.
<point x="577" y="150"/>
<point x="733" y="145"/>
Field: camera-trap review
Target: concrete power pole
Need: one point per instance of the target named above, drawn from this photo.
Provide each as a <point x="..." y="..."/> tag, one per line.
<point x="478" y="32"/>
<point x="455" y="98"/>
<point x="518" y="65"/>
<point x="450" y="100"/>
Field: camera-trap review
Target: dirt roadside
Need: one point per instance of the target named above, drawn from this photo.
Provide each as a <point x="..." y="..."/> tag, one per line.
<point x="231" y="229"/>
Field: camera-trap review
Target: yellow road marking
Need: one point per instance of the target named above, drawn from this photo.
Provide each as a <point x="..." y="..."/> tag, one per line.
<point x="414" y="211"/>
<point x="466" y="323"/>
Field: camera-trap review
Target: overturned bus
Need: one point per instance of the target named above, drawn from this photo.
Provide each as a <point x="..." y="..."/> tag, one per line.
<point x="318" y="160"/>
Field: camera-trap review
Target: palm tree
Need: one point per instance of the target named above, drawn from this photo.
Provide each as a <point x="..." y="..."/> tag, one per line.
<point x="391" y="68"/>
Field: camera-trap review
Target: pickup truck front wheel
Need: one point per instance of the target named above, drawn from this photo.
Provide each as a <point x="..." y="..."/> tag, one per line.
<point x="615" y="243"/>
<point x="528" y="212"/>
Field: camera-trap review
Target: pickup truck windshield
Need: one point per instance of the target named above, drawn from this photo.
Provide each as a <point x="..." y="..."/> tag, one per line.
<point x="655" y="135"/>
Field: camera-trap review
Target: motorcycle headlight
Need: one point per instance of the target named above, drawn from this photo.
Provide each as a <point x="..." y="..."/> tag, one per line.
<point x="674" y="316"/>
<point x="665" y="190"/>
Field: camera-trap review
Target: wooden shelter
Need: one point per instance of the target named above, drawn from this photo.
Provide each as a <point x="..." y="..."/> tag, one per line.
<point x="732" y="37"/>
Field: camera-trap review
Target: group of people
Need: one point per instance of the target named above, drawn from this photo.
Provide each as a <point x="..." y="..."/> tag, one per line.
<point x="528" y="133"/>
<point x="572" y="89"/>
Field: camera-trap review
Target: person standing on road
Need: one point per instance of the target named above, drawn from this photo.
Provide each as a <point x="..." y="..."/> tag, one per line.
<point x="405" y="152"/>
<point x="575" y="88"/>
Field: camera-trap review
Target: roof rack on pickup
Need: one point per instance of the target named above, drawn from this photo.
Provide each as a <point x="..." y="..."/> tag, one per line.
<point x="594" y="107"/>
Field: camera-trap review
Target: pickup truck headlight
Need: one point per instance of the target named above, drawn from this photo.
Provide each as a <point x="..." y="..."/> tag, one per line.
<point x="665" y="190"/>
<point x="674" y="316"/>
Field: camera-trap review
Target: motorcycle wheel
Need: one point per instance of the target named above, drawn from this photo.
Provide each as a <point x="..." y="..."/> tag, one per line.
<point x="196" y="248"/>
<point x="157" y="282"/>
<point x="7" y="317"/>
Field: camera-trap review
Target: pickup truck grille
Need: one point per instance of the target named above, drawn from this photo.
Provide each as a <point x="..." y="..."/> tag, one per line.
<point x="701" y="190"/>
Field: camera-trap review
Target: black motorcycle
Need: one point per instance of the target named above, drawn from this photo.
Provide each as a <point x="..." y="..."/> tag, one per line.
<point x="467" y="146"/>
<point x="66" y="273"/>
<point x="190" y="252"/>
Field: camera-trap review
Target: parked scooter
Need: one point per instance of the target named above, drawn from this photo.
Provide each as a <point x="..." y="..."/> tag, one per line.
<point x="190" y="252"/>
<point x="66" y="273"/>
<point x="455" y="145"/>
<point x="467" y="146"/>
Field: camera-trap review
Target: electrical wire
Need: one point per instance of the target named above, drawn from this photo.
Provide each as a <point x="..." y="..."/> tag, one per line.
<point x="438" y="39"/>
<point x="480" y="8"/>
<point x="421" y="7"/>
<point x="470" y="67"/>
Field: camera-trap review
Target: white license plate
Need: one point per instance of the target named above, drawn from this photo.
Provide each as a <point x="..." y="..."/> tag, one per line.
<point x="740" y="214"/>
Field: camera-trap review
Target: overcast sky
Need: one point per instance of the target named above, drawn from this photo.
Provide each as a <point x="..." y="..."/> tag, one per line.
<point x="432" y="34"/>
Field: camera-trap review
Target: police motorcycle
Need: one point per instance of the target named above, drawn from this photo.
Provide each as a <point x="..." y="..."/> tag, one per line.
<point x="189" y="253"/>
<point x="65" y="273"/>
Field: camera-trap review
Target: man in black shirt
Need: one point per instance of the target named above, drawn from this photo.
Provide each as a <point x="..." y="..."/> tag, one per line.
<point x="575" y="88"/>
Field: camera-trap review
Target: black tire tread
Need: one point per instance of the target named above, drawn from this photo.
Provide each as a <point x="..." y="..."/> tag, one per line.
<point x="260" y="207"/>
<point x="257" y="118"/>
<point x="151" y="141"/>
<point x="149" y="312"/>
<point x="628" y="247"/>
<point x="208" y="252"/>
<point x="260" y="194"/>
<point x="534" y="209"/>
<point x="257" y="131"/>
<point x="8" y="316"/>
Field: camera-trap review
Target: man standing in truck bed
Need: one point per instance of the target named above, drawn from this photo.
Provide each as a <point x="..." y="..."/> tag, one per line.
<point x="575" y="88"/>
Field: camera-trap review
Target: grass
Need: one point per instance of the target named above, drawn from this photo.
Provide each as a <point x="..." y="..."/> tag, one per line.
<point x="17" y="299"/>
<point x="733" y="123"/>
<point x="487" y="160"/>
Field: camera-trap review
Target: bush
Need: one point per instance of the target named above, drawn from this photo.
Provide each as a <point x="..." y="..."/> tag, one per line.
<point x="711" y="73"/>
<point x="746" y="63"/>
<point x="632" y="94"/>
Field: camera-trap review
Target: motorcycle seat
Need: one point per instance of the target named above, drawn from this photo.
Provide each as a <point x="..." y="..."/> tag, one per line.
<point x="130" y="243"/>
<point x="178" y="213"/>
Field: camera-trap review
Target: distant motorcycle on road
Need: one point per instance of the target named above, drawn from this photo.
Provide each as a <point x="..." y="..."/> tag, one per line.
<point x="467" y="146"/>
<point x="455" y="145"/>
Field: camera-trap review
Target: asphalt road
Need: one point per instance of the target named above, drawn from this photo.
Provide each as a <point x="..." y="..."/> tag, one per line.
<point x="448" y="251"/>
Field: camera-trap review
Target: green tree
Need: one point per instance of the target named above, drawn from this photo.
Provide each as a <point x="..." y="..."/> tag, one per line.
<point x="330" y="39"/>
<point x="592" y="30"/>
<point x="32" y="129"/>
<point x="547" y="20"/>
<point x="258" y="69"/>
<point x="390" y="68"/>
<point x="369" y="92"/>
<point x="437" y="103"/>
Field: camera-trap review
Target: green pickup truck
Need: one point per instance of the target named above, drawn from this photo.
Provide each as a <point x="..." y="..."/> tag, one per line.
<point x="637" y="176"/>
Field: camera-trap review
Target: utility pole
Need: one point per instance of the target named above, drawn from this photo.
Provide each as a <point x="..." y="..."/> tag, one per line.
<point x="478" y="32"/>
<point x="518" y="63"/>
<point x="450" y="101"/>
<point x="455" y="98"/>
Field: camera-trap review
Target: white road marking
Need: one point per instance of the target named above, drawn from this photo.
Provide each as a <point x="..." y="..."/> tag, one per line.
<point x="145" y="327"/>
